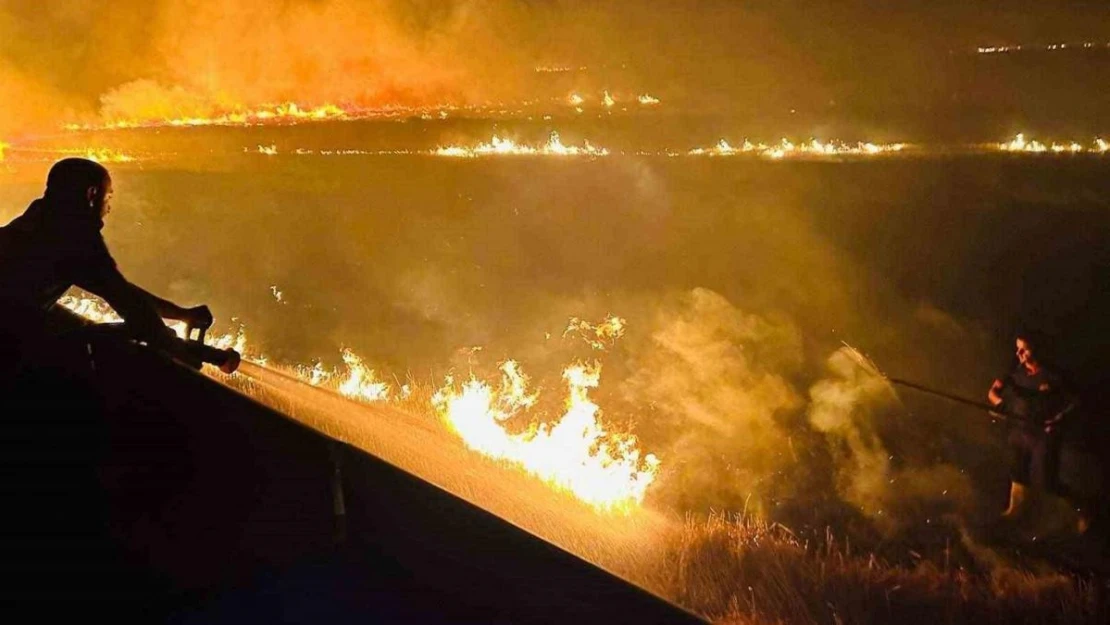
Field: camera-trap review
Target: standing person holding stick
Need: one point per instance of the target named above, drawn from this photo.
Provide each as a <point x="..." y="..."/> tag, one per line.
<point x="1037" y="396"/>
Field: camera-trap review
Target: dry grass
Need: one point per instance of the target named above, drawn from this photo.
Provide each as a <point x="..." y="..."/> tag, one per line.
<point x="736" y="570"/>
<point x="731" y="569"/>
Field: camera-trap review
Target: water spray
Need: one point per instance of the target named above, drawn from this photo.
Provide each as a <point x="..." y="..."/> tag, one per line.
<point x="868" y="365"/>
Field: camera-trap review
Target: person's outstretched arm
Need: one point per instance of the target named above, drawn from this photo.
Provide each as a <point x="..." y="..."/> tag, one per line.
<point x="96" y="271"/>
<point x="199" y="316"/>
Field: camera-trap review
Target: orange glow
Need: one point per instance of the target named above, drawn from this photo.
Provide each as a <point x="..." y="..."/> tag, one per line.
<point x="361" y="382"/>
<point x="105" y="155"/>
<point x="574" y="454"/>
<point x="96" y="310"/>
<point x="599" y="336"/>
<point x="1019" y="144"/>
<point x="316" y="374"/>
<point x="787" y="149"/>
<point x="507" y="147"/>
<point x="281" y="114"/>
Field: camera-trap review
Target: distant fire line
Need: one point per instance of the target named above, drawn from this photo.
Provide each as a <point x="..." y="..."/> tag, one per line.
<point x="786" y="148"/>
<point x="1051" y="47"/>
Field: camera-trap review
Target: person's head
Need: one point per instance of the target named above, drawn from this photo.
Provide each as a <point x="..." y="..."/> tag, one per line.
<point x="1029" y="347"/>
<point x="80" y="182"/>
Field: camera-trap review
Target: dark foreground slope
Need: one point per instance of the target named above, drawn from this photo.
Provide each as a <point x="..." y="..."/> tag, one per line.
<point x="137" y="489"/>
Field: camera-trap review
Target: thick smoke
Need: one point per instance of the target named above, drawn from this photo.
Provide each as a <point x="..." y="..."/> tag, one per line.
<point x="717" y="381"/>
<point x="140" y="59"/>
<point x="724" y="388"/>
<point x="738" y="279"/>
<point x="845" y="406"/>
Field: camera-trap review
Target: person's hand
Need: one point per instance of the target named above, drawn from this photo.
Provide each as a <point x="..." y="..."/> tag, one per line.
<point x="997" y="386"/>
<point x="198" y="317"/>
<point x="1050" y="425"/>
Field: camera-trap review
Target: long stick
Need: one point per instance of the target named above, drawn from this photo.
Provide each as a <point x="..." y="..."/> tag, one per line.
<point x="956" y="398"/>
<point x="869" y="366"/>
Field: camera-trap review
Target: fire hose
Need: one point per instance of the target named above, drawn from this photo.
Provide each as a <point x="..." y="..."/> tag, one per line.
<point x="198" y="353"/>
<point x="189" y="351"/>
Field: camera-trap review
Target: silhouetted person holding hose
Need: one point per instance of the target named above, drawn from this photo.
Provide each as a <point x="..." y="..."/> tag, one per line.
<point x="56" y="243"/>
<point x="1039" y="400"/>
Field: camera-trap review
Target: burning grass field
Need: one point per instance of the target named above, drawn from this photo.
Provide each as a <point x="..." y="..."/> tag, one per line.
<point x="789" y="486"/>
<point x="728" y="567"/>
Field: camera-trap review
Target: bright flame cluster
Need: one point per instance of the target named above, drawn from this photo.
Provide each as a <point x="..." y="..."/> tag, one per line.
<point x="575" y="453"/>
<point x="100" y="155"/>
<point x="786" y="148"/>
<point x="609" y="101"/>
<point x="283" y="113"/>
<point x="361" y="382"/>
<point x="97" y="311"/>
<point x="1020" y="144"/>
<point x="599" y="336"/>
<point x="105" y="155"/>
<point x="507" y="147"/>
<point x="558" y="69"/>
<point x="1051" y="47"/>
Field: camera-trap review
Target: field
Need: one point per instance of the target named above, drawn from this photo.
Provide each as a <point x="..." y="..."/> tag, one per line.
<point x="793" y="486"/>
<point x="728" y="567"/>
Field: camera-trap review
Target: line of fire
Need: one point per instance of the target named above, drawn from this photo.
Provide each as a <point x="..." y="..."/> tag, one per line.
<point x="669" y="311"/>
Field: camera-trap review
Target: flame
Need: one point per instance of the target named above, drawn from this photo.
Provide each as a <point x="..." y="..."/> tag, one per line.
<point x="93" y="309"/>
<point x="1020" y="144"/>
<point x="96" y="310"/>
<point x="608" y="100"/>
<point x="1051" y="47"/>
<point x="361" y="382"/>
<point x="100" y="155"/>
<point x="289" y="112"/>
<point x="314" y="375"/>
<point x="598" y="336"/>
<point x="574" y="454"/>
<point x="106" y="155"/>
<point x="268" y="150"/>
<point x="648" y="100"/>
<point x="507" y="147"/>
<point x="575" y="100"/>
<point x="786" y="148"/>
<point x="236" y="341"/>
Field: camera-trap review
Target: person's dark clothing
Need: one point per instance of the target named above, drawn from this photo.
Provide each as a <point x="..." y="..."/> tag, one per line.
<point x="1034" y="399"/>
<point x="53" y="246"/>
<point x="1035" y="459"/>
